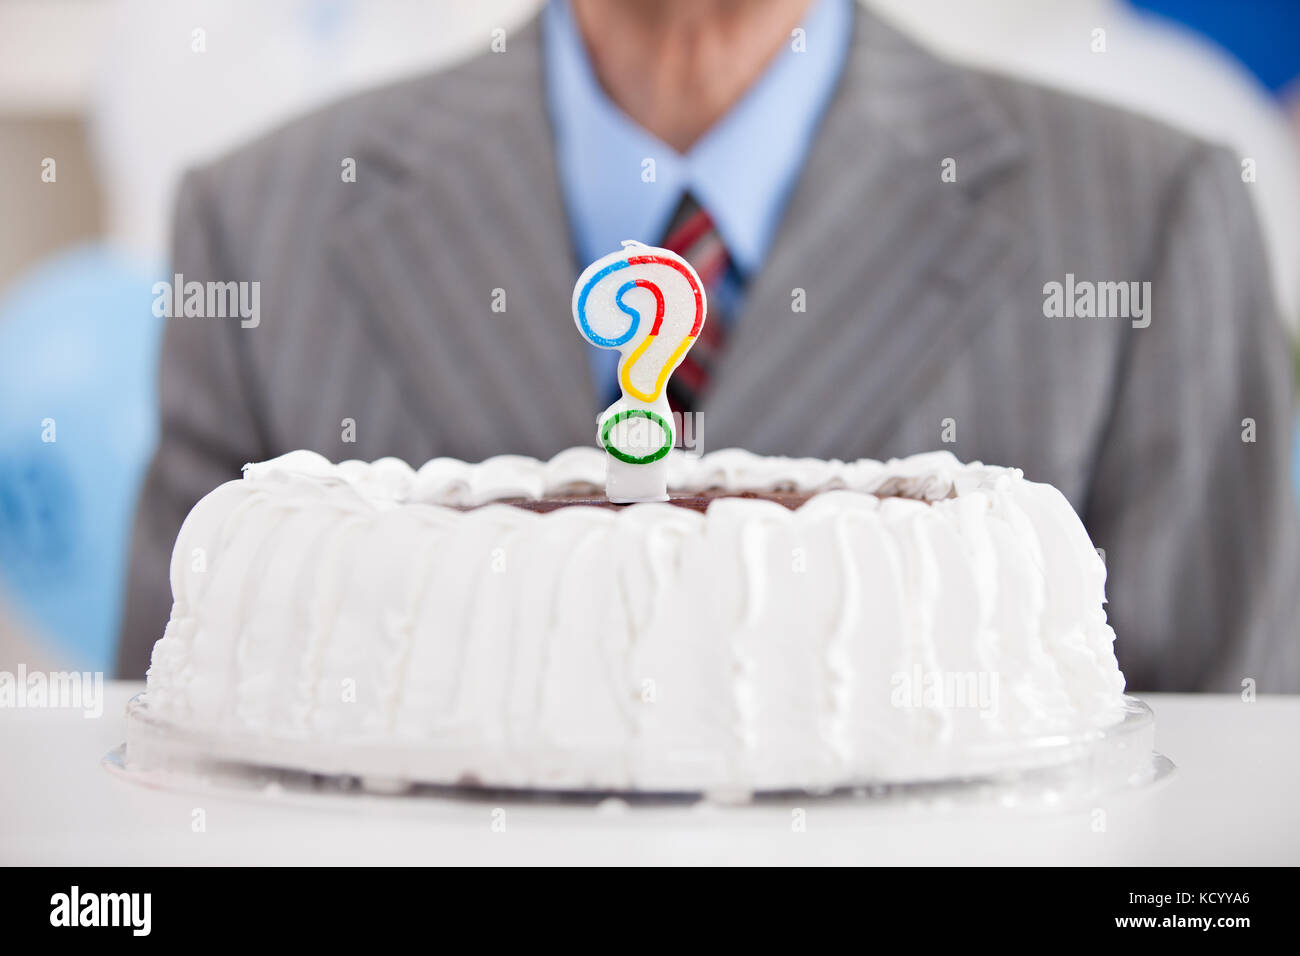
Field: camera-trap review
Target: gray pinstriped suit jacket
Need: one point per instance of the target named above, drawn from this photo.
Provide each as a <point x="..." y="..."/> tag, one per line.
<point x="924" y="303"/>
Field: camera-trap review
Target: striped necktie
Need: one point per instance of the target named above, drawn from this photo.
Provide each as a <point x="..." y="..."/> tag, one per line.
<point x="693" y="236"/>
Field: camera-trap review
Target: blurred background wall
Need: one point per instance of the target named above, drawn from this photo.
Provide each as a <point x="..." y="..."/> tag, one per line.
<point x="103" y="103"/>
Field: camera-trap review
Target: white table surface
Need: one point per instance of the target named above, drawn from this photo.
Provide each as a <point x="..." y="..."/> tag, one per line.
<point x="1234" y="799"/>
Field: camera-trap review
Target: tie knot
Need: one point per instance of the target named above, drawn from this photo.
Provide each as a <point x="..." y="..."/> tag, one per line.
<point x="693" y="236"/>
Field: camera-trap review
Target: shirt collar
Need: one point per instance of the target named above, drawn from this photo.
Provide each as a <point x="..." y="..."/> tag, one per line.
<point x="741" y="170"/>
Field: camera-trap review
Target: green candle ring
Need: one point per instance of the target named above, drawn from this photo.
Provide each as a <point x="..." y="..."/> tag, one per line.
<point x="636" y="413"/>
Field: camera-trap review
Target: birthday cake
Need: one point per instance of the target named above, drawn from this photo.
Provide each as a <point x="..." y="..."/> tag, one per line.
<point x="631" y="618"/>
<point x="777" y="623"/>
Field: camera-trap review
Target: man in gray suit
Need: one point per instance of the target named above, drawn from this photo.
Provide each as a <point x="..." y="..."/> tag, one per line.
<point x="905" y="255"/>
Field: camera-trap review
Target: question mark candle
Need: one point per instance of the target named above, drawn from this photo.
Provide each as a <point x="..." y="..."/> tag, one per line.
<point x="649" y="304"/>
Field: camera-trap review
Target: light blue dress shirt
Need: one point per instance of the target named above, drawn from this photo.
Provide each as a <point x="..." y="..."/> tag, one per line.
<point x="742" y="170"/>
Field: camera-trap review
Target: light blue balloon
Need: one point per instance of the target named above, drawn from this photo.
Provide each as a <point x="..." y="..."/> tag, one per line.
<point x="78" y="356"/>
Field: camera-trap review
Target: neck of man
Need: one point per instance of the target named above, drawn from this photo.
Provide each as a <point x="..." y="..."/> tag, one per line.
<point x="677" y="66"/>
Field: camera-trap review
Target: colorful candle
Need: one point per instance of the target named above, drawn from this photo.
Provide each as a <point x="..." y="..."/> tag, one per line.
<point x="649" y="305"/>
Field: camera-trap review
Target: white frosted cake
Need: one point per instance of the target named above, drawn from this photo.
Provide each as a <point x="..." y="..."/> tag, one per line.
<point x="781" y="623"/>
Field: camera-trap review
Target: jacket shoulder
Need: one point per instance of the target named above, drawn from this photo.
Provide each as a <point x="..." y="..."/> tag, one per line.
<point x="1065" y="127"/>
<point x="362" y="141"/>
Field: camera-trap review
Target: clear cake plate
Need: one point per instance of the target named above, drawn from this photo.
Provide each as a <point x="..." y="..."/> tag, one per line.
<point x="1061" y="769"/>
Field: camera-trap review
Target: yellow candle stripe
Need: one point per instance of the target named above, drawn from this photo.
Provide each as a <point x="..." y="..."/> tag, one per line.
<point x="663" y="374"/>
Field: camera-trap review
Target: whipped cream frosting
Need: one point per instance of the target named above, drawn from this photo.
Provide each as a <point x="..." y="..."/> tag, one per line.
<point x="909" y="615"/>
<point x="448" y="481"/>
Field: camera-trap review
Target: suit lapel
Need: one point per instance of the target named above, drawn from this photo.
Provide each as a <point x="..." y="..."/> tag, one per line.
<point x="899" y="269"/>
<point x="473" y="206"/>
